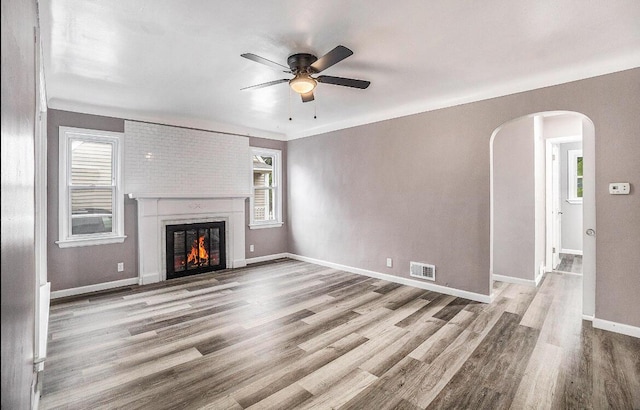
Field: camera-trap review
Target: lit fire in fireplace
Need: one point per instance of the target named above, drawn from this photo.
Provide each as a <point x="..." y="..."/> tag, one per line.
<point x="198" y="253"/>
<point x="195" y="248"/>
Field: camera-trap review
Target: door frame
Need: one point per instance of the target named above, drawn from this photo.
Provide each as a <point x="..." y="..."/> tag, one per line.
<point x="553" y="218"/>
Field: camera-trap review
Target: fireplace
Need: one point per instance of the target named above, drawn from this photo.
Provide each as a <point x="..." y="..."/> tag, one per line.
<point x="157" y="211"/>
<point x="195" y="248"/>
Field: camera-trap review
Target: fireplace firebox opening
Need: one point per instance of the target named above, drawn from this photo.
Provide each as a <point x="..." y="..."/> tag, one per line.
<point x="195" y="248"/>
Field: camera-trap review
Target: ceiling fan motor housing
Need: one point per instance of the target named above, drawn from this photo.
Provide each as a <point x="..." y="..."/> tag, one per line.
<point x="301" y="62"/>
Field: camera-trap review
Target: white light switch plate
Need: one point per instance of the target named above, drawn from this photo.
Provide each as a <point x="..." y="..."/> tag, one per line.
<point x="619" y="188"/>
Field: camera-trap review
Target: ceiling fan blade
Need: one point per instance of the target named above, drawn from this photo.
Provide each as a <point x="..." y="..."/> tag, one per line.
<point x="347" y="82"/>
<point x="307" y="97"/>
<point x="253" y="87"/>
<point x="266" y="62"/>
<point x="332" y="57"/>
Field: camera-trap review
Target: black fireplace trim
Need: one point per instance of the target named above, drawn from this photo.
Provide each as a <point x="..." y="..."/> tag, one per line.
<point x="170" y="229"/>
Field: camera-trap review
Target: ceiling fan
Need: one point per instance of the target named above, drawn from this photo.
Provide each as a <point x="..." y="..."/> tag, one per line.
<point x="303" y="66"/>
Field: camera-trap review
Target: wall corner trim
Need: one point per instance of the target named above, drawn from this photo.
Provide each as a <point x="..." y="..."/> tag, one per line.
<point x="93" y="288"/>
<point x="616" y="327"/>
<point x="478" y="297"/>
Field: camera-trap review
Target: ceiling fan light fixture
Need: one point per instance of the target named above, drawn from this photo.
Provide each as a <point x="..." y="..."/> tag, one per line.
<point x="303" y="83"/>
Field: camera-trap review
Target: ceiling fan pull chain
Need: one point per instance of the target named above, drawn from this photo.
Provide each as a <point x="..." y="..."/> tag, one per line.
<point x="315" y="110"/>
<point x="290" y="118"/>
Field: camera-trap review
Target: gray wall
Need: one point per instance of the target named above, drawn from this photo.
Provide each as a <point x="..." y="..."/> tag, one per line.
<point x="612" y="104"/>
<point x="412" y="189"/>
<point x="513" y="200"/>
<point x="83" y="266"/>
<point x="18" y="203"/>
<point x="571" y="230"/>
<point x="268" y="241"/>
<point x="417" y="188"/>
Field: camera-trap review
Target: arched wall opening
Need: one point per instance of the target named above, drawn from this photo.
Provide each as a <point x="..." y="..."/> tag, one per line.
<point x="519" y="204"/>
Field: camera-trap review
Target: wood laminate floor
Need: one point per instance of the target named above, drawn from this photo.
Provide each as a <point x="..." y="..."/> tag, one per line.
<point x="292" y="335"/>
<point x="569" y="263"/>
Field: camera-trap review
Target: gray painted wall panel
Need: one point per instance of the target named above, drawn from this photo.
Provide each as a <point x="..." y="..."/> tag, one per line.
<point x="513" y="199"/>
<point x="83" y="266"/>
<point x="18" y="203"/>
<point x="269" y="241"/>
<point x="412" y="189"/>
<point x="613" y="103"/>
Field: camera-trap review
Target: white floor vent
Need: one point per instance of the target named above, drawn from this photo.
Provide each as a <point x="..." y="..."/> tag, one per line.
<point x="423" y="271"/>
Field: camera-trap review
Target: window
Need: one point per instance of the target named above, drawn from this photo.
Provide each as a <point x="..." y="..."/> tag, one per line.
<point x="91" y="204"/>
<point x="575" y="176"/>
<point x="266" y="198"/>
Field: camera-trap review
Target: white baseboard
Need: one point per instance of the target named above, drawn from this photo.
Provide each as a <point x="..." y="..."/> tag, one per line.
<point x="517" y="281"/>
<point x="152" y="278"/>
<point x="93" y="288"/>
<point x="571" y="251"/>
<point x="149" y="278"/>
<point x="569" y="273"/>
<point x="540" y="274"/>
<point x="587" y="317"/>
<point x="239" y="263"/>
<point x="267" y="258"/>
<point x="478" y="297"/>
<point x="616" y="327"/>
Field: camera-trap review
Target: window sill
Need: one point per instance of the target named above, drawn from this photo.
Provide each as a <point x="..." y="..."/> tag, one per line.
<point x="75" y="243"/>
<point x="266" y="225"/>
<point x="575" y="201"/>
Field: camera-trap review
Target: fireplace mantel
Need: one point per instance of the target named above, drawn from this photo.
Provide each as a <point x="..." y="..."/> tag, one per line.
<point x="156" y="211"/>
<point x="198" y="195"/>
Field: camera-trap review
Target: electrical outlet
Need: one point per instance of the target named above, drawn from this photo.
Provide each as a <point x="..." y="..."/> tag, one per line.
<point x="389" y="263"/>
<point x="120" y="266"/>
<point x="250" y="248"/>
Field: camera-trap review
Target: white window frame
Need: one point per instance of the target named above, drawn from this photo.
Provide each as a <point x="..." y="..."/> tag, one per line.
<point x="65" y="237"/>
<point x="277" y="188"/>
<point x="572" y="174"/>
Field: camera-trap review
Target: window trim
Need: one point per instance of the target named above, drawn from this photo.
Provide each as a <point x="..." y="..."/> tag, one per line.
<point x="65" y="238"/>
<point x="572" y="176"/>
<point x="277" y="188"/>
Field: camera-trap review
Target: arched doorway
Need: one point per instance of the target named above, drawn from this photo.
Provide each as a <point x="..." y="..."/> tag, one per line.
<point x="519" y="209"/>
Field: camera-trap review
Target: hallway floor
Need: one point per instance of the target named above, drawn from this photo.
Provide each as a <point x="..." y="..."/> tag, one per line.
<point x="569" y="263"/>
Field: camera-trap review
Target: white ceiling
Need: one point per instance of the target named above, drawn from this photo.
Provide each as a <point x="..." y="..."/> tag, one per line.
<point x="178" y="62"/>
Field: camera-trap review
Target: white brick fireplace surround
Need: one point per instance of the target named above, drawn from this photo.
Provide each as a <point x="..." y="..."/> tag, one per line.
<point x="179" y="176"/>
<point x="154" y="214"/>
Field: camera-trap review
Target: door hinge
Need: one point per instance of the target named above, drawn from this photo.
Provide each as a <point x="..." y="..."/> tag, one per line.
<point x="553" y="250"/>
<point x="553" y="157"/>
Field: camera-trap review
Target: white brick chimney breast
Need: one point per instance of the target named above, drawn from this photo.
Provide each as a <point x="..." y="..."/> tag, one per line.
<point x="179" y="176"/>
